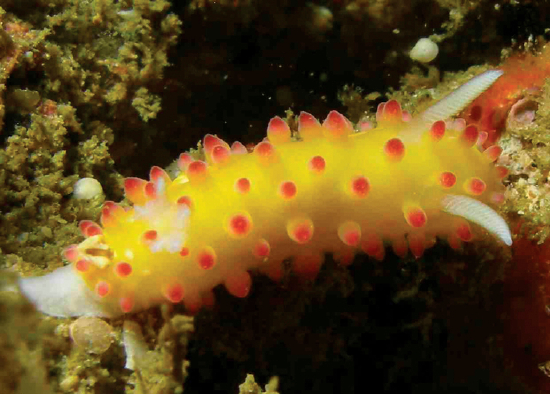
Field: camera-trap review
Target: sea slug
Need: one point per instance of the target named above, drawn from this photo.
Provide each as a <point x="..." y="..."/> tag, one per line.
<point x="326" y="189"/>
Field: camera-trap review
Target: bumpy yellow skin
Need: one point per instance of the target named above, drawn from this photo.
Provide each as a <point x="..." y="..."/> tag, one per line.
<point x="324" y="199"/>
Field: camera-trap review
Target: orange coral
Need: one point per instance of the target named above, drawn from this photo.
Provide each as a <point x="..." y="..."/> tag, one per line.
<point x="526" y="313"/>
<point x="523" y="74"/>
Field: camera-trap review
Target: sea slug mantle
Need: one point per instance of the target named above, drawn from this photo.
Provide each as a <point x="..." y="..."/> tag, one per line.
<point x="332" y="189"/>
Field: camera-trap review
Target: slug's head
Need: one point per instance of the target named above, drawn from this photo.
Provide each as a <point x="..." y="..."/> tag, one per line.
<point x="453" y="173"/>
<point x="471" y="184"/>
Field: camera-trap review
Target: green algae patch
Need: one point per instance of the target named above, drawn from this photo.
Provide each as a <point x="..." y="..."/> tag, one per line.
<point x="95" y="62"/>
<point x="27" y="343"/>
<point x="148" y="105"/>
<point x="251" y="387"/>
<point x="526" y="154"/>
<point x="36" y="182"/>
<point x="162" y="365"/>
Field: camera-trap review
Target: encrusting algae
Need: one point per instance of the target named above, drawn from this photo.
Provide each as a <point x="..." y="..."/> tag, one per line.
<point x="47" y="153"/>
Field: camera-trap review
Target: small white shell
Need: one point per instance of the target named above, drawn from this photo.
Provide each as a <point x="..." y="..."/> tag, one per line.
<point x="424" y="51"/>
<point x="87" y="188"/>
<point x="91" y="334"/>
<point x="522" y="113"/>
<point x="134" y="344"/>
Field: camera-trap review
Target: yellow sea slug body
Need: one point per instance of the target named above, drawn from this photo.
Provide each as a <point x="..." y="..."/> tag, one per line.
<point x="328" y="189"/>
